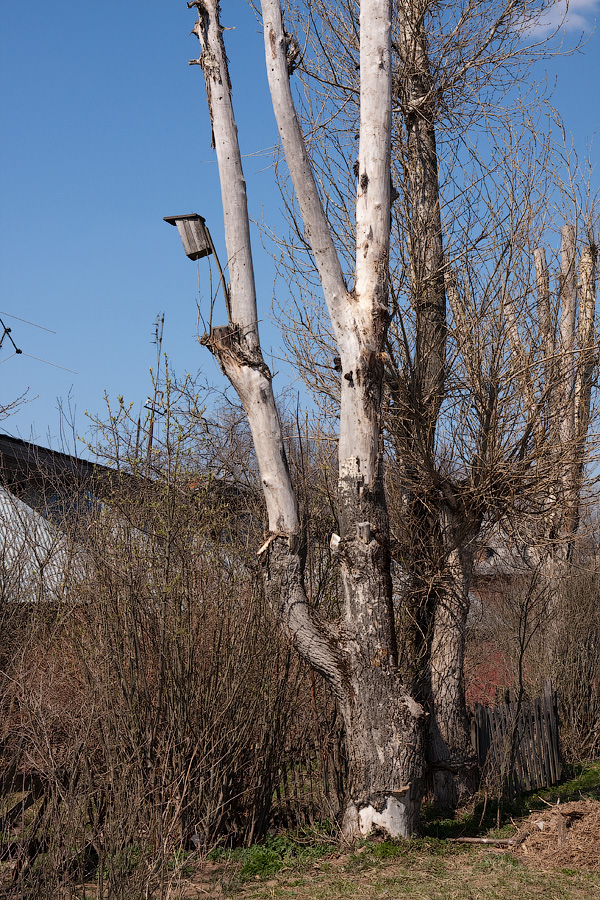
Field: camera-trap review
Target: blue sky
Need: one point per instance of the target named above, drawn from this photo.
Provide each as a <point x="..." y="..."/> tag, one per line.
<point x="105" y="131"/>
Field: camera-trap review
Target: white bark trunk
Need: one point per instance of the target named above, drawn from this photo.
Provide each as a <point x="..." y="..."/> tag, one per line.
<point x="237" y="348"/>
<point x="359" y="318"/>
<point x="359" y="660"/>
<point x="366" y="314"/>
<point x="380" y="719"/>
<point x="233" y="184"/>
<point x="296" y="154"/>
<point x="251" y="380"/>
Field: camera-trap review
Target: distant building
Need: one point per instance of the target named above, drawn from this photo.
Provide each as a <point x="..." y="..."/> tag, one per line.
<point x="44" y="495"/>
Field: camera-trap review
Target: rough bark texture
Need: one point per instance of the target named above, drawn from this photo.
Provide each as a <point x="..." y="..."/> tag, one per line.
<point x="384" y="724"/>
<point x="452" y="762"/>
<point x="437" y="594"/>
<point x="417" y="97"/>
<point x="357" y="656"/>
<point x="385" y="748"/>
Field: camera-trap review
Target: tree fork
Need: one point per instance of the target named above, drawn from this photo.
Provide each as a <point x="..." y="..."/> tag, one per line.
<point x="358" y="658"/>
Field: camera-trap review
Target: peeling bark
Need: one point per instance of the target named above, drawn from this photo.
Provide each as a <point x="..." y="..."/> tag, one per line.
<point x="385" y="747"/>
<point x="358" y="657"/>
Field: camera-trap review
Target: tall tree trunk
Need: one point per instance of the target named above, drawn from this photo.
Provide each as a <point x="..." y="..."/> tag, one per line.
<point x="415" y="90"/>
<point x="438" y="593"/>
<point x="383" y="723"/>
<point x="357" y="656"/>
<point x="385" y="750"/>
<point x="451" y="759"/>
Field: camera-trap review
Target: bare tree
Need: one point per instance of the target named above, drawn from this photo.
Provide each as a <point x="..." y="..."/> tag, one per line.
<point x="468" y="393"/>
<point x="464" y="347"/>
<point x="357" y="655"/>
<point x="518" y="397"/>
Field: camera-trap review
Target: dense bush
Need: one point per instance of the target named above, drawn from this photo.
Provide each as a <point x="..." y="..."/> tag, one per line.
<point x="150" y="705"/>
<point x="144" y="708"/>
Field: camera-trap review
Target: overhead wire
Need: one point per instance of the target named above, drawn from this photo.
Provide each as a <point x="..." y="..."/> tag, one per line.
<point x="27" y="322"/>
<point x="7" y="333"/>
<point x="56" y="365"/>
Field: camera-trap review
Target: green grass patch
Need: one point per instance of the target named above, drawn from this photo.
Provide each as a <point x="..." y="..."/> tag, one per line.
<point x="474" y="874"/>
<point x="310" y="863"/>
<point x="299" y="849"/>
<point x="261" y="861"/>
<point x="582" y="780"/>
<point x="424" y="854"/>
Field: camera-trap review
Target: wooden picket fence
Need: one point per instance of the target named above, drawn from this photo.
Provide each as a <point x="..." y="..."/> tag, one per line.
<point x="517" y="748"/>
<point x="314" y="769"/>
<point x="517" y="744"/>
<point x="310" y="788"/>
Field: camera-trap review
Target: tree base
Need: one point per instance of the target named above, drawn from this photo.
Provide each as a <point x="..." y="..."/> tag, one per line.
<point x="396" y="818"/>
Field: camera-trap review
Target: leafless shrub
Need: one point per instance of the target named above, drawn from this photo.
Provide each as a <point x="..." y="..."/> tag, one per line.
<point x="575" y="665"/>
<point x="145" y="707"/>
<point x="542" y="625"/>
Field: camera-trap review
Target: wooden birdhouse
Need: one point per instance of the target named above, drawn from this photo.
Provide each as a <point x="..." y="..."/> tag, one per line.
<point x="193" y="233"/>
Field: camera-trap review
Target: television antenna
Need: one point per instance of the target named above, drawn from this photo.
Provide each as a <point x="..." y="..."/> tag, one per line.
<point x="158" y="399"/>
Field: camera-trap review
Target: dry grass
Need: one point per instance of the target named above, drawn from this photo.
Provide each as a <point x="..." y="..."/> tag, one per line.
<point x="417" y="874"/>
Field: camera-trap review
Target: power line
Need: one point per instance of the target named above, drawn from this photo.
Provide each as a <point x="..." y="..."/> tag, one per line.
<point x="27" y="322"/>
<point x="6" y="333"/>
<point x="56" y="365"/>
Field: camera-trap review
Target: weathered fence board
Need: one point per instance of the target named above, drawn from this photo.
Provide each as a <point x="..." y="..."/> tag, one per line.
<point x="517" y="742"/>
<point x="314" y="769"/>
